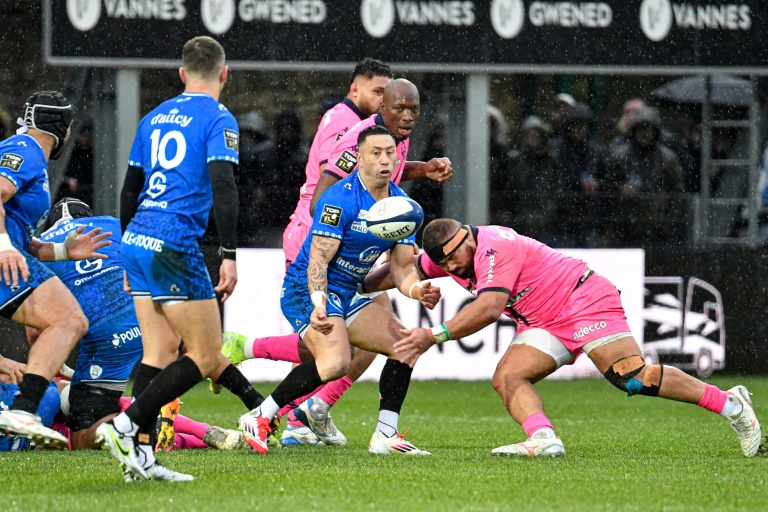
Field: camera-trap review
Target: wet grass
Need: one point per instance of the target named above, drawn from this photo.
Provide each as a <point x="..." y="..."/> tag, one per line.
<point x="622" y="454"/>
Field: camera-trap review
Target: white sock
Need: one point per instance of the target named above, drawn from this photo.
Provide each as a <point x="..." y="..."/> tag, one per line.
<point x="125" y="425"/>
<point x="387" y="423"/>
<point x="732" y="407"/>
<point x="544" y="433"/>
<point x="146" y="455"/>
<point x="248" y="349"/>
<point x="319" y="409"/>
<point x="269" y="408"/>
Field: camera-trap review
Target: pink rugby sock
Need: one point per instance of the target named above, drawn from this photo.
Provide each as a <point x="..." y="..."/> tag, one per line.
<point x="187" y="442"/>
<point x="536" y="421"/>
<point x="714" y="399"/>
<point x="274" y="348"/>
<point x="125" y="402"/>
<point x="184" y="425"/>
<point x="333" y="391"/>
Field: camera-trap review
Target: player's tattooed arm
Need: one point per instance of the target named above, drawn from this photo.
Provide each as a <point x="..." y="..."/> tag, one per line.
<point x="321" y="252"/>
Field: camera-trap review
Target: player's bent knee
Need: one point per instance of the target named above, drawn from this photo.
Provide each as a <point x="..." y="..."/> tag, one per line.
<point x="623" y="374"/>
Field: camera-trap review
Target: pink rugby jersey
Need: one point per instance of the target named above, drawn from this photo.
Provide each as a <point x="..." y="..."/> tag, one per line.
<point x="537" y="278"/>
<point x="343" y="159"/>
<point x="334" y="124"/>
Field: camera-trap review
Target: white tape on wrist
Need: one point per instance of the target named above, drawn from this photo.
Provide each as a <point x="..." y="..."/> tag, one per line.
<point x="418" y="290"/>
<point x="318" y="298"/>
<point x="60" y="252"/>
<point x="5" y="243"/>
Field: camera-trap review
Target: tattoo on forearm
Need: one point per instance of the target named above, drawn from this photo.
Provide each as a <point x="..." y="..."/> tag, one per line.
<point x="317" y="270"/>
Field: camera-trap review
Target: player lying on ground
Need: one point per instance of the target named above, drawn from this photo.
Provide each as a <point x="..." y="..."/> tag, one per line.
<point x="320" y="299"/>
<point x="29" y="293"/>
<point x="562" y="309"/>
<point x="398" y="112"/>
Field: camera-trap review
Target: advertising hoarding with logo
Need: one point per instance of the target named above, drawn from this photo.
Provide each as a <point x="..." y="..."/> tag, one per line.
<point x="448" y="35"/>
<point x="254" y="310"/>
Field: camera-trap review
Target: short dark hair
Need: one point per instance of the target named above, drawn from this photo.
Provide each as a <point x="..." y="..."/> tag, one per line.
<point x="376" y="129"/>
<point x="202" y="56"/>
<point x="437" y="232"/>
<point x="370" y="68"/>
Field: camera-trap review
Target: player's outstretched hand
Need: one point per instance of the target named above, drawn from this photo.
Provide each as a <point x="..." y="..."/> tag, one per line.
<point x="429" y="295"/>
<point x="83" y="246"/>
<point x="320" y="322"/>
<point x="418" y="339"/>
<point x="440" y="170"/>
<point x="14" y="370"/>
<point x="227" y="278"/>
<point x="13" y="263"/>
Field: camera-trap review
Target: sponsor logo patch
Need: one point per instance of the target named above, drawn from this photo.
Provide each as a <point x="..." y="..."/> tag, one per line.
<point x="11" y="161"/>
<point x="232" y="139"/>
<point x="588" y="329"/>
<point x="347" y="161"/>
<point x="331" y="215"/>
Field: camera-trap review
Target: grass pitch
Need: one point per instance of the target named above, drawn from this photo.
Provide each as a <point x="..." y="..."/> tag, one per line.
<point x="622" y="454"/>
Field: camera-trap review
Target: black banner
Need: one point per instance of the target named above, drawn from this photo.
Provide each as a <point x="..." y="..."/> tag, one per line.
<point x="611" y="36"/>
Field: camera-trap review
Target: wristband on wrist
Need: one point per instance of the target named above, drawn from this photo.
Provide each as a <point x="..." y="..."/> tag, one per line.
<point x="440" y="334"/>
<point x="5" y="243"/>
<point x="318" y="298"/>
<point x="418" y="291"/>
<point x="228" y="254"/>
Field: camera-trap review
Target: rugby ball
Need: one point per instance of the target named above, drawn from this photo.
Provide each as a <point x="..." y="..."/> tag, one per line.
<point x="394" y="218"/>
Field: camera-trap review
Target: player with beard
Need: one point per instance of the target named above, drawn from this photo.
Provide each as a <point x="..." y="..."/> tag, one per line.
<point x="562" y="309"/>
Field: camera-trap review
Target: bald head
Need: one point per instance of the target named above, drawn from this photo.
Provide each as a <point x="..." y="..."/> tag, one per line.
<point x="400" y="107"/>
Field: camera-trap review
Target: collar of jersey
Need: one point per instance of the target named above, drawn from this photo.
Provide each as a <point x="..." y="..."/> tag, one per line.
<point x="197" y="94"/>
<point x="33" y="140"/>
<point x="351" y="105"/>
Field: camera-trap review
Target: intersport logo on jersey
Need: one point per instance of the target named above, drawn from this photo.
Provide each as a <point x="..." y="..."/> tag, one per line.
<point x="657" y="17"/>
<point x="379" y="16"/>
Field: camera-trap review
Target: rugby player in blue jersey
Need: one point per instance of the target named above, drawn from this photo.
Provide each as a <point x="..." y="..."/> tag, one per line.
<point x="182" y="163"/>
<point x="319" y="298"/>
<point x="29" y="292"/>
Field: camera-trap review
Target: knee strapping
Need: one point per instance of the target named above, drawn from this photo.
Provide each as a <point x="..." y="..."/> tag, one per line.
<point x="622" y="375"/>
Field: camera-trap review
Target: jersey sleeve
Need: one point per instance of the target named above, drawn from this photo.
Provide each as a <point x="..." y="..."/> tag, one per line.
<point x="327" y="138"/>
<point x="224" y="139"/>
<point x="343" y="157"/>
<point x="429" y="268"/>
<point x="334" y="212"/>
<point x="136" y="157"/>
<point x="497" y="270"/>
<point x="18" y="166"/>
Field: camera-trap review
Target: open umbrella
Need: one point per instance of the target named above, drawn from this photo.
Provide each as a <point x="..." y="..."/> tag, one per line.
<point x="726" y="90"/>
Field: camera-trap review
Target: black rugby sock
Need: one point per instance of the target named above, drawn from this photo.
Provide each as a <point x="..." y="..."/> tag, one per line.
<point x="302" y="380"/>
<point x="175" y="380"/>
<point x="393" y="385"/>
<point x="31" y="390"/>
<point x="142" y="378"/>
<point x="234" y="380"/>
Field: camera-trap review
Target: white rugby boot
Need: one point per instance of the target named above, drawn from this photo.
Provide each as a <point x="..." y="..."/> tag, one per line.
<point x="395" y="445"/>
<point x="745" y="423"/>
<point x="160" y="472"/>
<point x="224" y="439"/>
<point x="533" y="447"/>
<point x="122" y="448"/>
<point x="295" y="435"/>
<point x="24" y="424"/>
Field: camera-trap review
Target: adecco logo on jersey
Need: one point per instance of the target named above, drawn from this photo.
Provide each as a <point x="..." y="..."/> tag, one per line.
<point x="379" y="16"/>
<point x="508" y="16"/>
<point x="658" y="16"/>
<point x="85" y="14"/>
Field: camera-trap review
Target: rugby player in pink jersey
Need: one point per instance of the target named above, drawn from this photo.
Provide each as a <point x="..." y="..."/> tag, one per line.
<point x="562" y="309"/>
<point x="366" y="88"/>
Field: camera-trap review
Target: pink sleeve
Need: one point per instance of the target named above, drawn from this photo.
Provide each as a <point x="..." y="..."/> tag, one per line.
<point x="498" y="265"/>
<point x="429" y="268"/>
<point x="342" y="159"/>
<point x="325" y="145"/>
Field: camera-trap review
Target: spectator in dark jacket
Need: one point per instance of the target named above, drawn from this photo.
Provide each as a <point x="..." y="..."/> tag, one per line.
<point x="579" y="161"/>
<point x="648" y="175"/>
<point x="429" y="193"/>
<point x="534" y="186"/>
